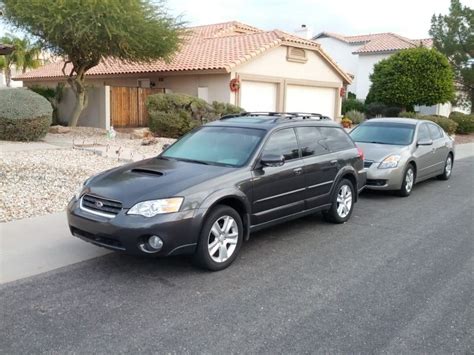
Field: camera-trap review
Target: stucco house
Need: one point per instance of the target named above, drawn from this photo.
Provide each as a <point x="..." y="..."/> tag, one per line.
<point x="358" y="54"/>
<point x="276" y="71"/>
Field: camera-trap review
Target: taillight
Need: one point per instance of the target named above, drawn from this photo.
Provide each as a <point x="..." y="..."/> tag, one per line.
<point x="361" y="153"/>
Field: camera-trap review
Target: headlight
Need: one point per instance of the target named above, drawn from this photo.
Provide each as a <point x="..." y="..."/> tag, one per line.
<point x="80" y="189"/>
<point x="390" y="162"/>
<point x="154" y="207"/>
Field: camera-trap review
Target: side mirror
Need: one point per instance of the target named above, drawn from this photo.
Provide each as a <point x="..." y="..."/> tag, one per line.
<point x="165" y="146"/>
<point x="425" y="142"/>
<point x="272" y="160"/>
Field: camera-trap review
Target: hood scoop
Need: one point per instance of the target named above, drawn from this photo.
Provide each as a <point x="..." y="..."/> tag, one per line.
<point x="147" y="171"/>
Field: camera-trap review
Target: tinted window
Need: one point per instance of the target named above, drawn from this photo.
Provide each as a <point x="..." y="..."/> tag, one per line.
<point x="311" y="141"/>
<point x="435" y="132"/>
<point x="384" y="133"/>
<point x="423" y="132"/>
<point x="336" y="139"/>
<point x="283" y="143"/>
<point x="217" y="145"/>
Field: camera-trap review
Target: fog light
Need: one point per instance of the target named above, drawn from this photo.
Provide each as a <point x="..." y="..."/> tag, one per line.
<point x="155" y="242"/>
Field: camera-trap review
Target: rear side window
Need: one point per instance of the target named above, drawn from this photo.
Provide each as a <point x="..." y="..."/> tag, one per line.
<point x="311" y="141"/>
<point x="435" y="132"/>
<point x="336" y="139"/>
<point x="284" y="143"/>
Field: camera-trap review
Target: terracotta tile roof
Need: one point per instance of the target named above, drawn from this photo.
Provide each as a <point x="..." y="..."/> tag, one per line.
<point x="213" y="47"/>
<point x="378" y="42"/>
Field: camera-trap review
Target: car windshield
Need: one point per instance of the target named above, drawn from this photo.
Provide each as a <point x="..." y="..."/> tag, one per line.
<point x="384" y="133"/>
<point x="230" y="146"/>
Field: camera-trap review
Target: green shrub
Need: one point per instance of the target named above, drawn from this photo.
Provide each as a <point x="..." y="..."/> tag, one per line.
<point x="355" y="116"/>
<point x="445" y="123"/>
<point x="375" y="109"/>
<point x="392" y="111"/>
<point x="24" y="115"/>
<point x="352" y="104"/>
<point x="172" y="115"/>
<point x="465" y="122"/>
<point x="405" y="114"/>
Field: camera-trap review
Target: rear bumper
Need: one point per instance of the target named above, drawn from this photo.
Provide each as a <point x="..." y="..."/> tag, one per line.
<point x="178" y="231"/>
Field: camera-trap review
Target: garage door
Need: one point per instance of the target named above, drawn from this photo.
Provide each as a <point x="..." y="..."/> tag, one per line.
<point x="258" y="96"/>
<point x="310" y="99"/>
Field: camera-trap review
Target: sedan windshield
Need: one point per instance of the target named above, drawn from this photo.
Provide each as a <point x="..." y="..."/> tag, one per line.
<point x="384" y="133"/>
<point x="231" y="146"/>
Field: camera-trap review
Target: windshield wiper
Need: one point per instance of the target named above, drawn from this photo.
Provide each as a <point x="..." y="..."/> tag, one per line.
<point x="192" y="161"/>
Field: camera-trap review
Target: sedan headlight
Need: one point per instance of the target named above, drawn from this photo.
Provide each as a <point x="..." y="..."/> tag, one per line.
<point x="154" y="207"/>
<point x="390" y="162"/>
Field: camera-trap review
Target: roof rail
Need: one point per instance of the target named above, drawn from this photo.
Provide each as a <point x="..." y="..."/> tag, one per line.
<point x="279" y="115"/>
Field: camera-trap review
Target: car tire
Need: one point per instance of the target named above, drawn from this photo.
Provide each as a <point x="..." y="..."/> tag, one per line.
<point x="448" y="168"/>
<point x="217" y="239"/>
<point x="408" y="182"/>
<point x="342" y="203"/>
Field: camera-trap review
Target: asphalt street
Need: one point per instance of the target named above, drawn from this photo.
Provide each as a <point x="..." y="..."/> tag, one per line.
<point x="397" y="278"/>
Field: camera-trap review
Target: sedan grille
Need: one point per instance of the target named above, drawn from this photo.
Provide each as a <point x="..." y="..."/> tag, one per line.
<point x="368" y="163"/>
<point x="100" y="206"/>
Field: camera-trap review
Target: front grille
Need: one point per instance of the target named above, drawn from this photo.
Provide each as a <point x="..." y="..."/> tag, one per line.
<point x="101" y="205"/>
<point x="376" y="182"/>
<point x="96" y="239"/>
<point x="368" y="163"/>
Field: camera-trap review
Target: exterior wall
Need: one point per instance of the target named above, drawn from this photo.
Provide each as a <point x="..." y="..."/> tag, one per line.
<point x="275" y="68"/>
<point x="365" y="68"/>
<point x="342" y="53"/>
<point x="217" y="84"/>
<point x="439" y="109"/>
<point x="13" y="84"/>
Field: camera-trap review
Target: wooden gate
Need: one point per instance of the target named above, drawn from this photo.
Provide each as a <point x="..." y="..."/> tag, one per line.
<point x="127" y="106"/>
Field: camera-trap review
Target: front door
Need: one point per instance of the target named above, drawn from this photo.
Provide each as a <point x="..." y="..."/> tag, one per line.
<point x="279" y="191"/>
<point x="425" y="154"/>
<point x="440" y="146"/>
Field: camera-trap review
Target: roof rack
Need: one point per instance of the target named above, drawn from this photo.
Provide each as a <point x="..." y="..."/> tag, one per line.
<point x="279" y="115"/>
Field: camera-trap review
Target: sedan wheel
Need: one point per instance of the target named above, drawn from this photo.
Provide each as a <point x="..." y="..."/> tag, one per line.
<point x="220" y="239"/>
<point x="448" y="168"/>
<point x="408" y="181"/>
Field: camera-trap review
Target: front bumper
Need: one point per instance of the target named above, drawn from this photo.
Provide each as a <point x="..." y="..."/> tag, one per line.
<point x="178" y="231"/>
<point x="384" y="179"/>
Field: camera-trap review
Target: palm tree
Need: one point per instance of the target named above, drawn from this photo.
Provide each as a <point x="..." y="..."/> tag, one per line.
<point x="24" y="56"/>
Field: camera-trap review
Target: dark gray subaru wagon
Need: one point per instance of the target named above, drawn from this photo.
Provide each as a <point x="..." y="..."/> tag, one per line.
<point x="208" y="191"/>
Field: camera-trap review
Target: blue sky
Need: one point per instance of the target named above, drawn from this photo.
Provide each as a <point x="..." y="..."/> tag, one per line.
<point x="410" y="18"/>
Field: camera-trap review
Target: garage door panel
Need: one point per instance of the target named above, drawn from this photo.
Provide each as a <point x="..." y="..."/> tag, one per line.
<point x="258" y="96"/>
<point x="301" y="98"/>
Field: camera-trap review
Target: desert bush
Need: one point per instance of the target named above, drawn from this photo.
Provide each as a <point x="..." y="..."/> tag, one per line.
<point x="346" y="123"/>
<point x="465" y="122"/>
<point x="172" y="115"/>
<point x="352" y="104"/>
<point x="24" y="115"/>
<point x="445" y="123"/>
<point x="405" y="114"/>
<point x="375" y="109"/>
<point x="355" y="116"/>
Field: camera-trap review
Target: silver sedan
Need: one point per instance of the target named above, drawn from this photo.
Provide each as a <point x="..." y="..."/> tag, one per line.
<point x="400" y="152"/>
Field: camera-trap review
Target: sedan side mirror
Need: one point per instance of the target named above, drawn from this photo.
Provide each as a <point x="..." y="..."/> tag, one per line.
<point x="165" y="146"/>
<point x="272" y="160"/>
<point x="425" y="142"/>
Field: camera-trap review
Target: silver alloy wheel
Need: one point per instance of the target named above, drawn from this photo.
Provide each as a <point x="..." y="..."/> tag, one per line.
<point x="449" y="166"/>
<point x="409" y="180"/>
<point x="344" y="201"/>
<point x="223" y="239"/>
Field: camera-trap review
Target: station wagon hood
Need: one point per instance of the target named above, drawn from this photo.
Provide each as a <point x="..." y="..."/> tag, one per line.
<point x="151" y="179"/>
<point x="377" y="152"/>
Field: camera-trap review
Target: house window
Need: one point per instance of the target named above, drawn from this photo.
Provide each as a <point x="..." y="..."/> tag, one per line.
<point x="203" y="93"/>
<point x="297" y="55"/>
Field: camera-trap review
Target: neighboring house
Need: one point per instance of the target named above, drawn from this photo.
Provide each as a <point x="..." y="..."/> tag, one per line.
<point x="358" y="54"/>
<point x="277" y="71"/>
<point x="5" y="49"/>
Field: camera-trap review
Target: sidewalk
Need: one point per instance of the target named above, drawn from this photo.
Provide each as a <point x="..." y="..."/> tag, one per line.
<point x="35" y="245"/>
<point x="464" y="151"/>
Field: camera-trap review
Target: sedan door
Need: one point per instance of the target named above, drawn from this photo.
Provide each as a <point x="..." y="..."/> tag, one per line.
<point x="440" y="146"/>
<point x="425" y="154"/>
<point x="278" y="191"/>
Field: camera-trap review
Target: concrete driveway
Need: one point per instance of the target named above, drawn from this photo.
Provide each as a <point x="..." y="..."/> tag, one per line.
<point x="397" y="278"/>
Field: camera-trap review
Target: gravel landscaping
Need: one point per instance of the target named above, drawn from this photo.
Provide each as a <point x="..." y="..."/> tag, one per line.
<point x="38" y="182"/>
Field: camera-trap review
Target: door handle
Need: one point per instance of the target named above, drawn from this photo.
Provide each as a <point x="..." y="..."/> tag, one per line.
<point x="298" y="171"/>
<point x="333" y="162"/>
